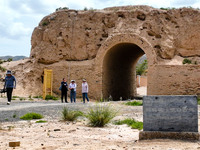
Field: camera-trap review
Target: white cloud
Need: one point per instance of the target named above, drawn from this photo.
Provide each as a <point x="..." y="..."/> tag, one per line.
<point x="15" y="47"/>
<point x="82" y="4"/>
<point x="181" y="3"/>
<point x="196" y="5"/>
<point x="19" y="17"/>
<point x="18" y="29"/>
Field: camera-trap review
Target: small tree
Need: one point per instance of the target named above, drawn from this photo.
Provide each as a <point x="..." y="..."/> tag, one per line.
<point x="9" y="59"/>
<point x="85" y="9"/>
<point x="141" y="68"/>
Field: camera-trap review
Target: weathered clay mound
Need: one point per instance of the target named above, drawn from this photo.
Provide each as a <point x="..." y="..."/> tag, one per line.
<point x="77" y="35"/>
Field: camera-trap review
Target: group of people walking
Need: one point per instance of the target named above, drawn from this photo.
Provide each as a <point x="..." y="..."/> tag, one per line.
<point x="72" y="87"/>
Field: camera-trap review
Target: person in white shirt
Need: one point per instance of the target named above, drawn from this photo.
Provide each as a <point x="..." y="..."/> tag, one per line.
<point x="72" y="87"/>
<point x="85" y="91"/>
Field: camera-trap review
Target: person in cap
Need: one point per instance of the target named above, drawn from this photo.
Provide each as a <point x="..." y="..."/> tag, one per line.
<point x="85" y="91"/>
<point x="64" y="89"/>
<point x="10" y="83"/>
<point x="72" y="87"/>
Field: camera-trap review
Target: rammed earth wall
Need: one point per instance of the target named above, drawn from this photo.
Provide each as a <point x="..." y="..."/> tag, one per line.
<point x="103" y="46"/>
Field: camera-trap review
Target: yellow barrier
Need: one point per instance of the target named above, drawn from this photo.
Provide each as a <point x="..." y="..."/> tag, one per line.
<point x="47" y="84"/>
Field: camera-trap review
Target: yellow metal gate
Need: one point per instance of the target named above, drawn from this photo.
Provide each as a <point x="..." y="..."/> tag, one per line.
<point x="47" y="84"/>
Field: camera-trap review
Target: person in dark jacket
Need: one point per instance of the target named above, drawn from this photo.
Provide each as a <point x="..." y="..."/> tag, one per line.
<point x="64" y="89"/>
<point x="10" y="83"/>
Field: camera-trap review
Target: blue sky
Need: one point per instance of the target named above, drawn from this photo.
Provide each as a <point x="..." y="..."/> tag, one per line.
<point x="18" y="18"/>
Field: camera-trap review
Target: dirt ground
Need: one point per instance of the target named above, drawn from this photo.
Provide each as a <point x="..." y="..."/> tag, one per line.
<point x="59" y="135"/>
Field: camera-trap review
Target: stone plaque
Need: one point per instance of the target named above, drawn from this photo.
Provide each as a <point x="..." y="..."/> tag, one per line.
<point x="170" y="113"/>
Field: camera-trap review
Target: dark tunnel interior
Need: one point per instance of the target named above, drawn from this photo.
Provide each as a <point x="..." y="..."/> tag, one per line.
<point x="119" y="74"/>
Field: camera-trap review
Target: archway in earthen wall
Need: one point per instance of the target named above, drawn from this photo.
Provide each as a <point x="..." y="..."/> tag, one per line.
<point x="119" y="71"/>
<point x="117" y="60"/>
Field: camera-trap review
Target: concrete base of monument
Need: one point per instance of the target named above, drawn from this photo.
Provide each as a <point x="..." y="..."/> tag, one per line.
<point x="146" y="135"/>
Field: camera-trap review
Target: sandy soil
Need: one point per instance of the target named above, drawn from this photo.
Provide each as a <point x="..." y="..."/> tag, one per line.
<point x="71" y="136"/>
<point x="142" y="90"/>
<point x="59" y="135"/>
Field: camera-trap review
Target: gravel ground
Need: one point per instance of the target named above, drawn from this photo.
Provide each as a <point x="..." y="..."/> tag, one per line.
<point x="75" y="135"/>
<point x="52" y="109"/>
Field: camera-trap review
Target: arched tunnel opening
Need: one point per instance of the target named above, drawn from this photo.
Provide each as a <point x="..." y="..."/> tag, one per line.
<point x="119" y="71"/>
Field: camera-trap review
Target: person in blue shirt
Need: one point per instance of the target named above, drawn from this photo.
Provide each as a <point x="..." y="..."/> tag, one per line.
<point x="10" y="83"/>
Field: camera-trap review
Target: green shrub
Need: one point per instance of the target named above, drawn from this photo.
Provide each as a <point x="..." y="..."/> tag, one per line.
<point x="70" y="115"/>
<point x="90" y="9"/>
<point x="168" y="8"/>
<point x="9" y="59"/>
<point x="62" y="8"/>
<point x="41" y="121"/>
<point x="37" y="96"/>
<point x="30" y="116"/>
<point x="65" y="8"/>
<point x="187" y="61"/>
<point x="198" y="100"/>
<point x="134" y="103"/>
<point x="104" y="100"/>
<point x="85" y="9"/>
<point x="137" y="125"/>
<point x="15" y="97"/>
<point x="45" y="23"/>
<point x="141" y="68"/>
<point x="30" y="97"/>
<point x="130" y="122"/>
<point x="50" y="97"/>
<point x="2" y="69"/>
<point x="100" y="115"/>
<point x="22" y="98"/>
<point x="14" y="115"/>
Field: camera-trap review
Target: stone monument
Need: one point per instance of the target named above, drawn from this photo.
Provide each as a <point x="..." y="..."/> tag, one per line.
<point x="170" y="117"/>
